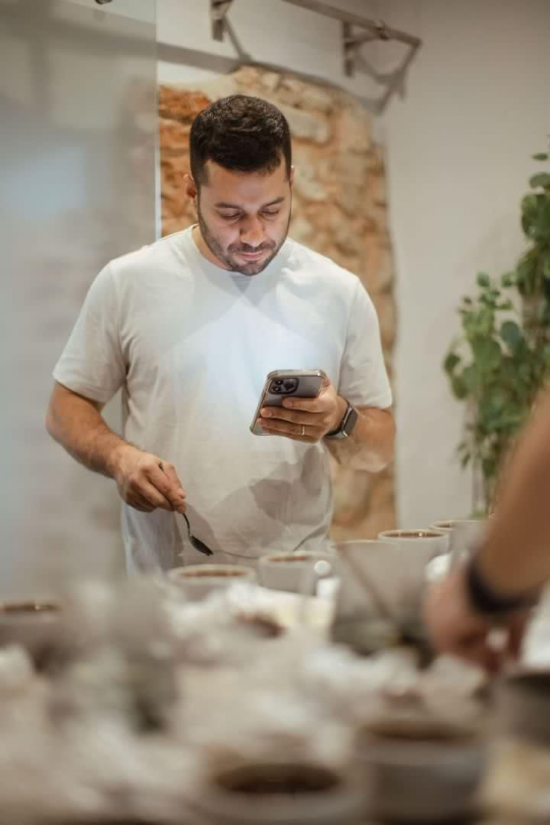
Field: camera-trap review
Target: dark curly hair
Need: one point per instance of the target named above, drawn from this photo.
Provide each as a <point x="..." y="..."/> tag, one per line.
<point x="241" y="133"/>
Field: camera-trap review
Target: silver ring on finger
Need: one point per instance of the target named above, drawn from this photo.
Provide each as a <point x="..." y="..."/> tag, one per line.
<point x="303" y="430"/>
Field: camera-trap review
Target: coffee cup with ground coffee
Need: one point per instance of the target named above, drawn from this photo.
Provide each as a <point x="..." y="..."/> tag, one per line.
<point x="196" y="581"/>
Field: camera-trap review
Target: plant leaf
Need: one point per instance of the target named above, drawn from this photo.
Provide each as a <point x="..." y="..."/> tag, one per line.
<point x="459" y="388"/>
<point x="511" y="335"/>
<point x="527" y="272"/>
<point x="540" y="179"/>
<point x="508" y="279"/>
<point x="540" y="156"/>
<point x="487" y="353"/>
<point x="541" y="229"/>
<point x="471" y="378"/>
<point x="450" y="362"/>
<point x="530" y="205"/>
<point x="483" y="279"/>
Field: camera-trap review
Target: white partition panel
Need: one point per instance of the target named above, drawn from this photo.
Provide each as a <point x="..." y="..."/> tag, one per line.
<point x="78" y="140"/>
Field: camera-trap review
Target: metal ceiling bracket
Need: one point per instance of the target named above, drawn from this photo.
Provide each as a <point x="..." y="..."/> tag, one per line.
<point x="218" y="13"/>
<point x="356" y="31"/>
<point x="348" y="49"/>
<point x="352" y="42"/>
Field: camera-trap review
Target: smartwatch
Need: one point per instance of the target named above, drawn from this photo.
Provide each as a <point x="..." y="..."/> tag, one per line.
<point x="348" y="422"/>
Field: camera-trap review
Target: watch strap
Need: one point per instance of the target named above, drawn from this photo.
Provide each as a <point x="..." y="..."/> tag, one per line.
<point x="487" y="601"/>
<point x="349" y="417"/>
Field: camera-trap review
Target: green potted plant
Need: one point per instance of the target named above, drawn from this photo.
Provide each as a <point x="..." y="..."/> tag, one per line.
<point x="500" y="360"/>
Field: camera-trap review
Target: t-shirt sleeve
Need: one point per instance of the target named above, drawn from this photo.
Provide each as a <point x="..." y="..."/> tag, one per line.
<point x="363" y="378"/>
<point x="92" y="363"/>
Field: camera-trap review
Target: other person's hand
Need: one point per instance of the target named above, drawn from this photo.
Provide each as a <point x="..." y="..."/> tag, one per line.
<point x="147" y="482"/>
<point x="305" y="419"/>
<point x="455" y="627"/>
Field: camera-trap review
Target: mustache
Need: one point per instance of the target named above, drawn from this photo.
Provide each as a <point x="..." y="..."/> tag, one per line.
<point x="245" y="248"/>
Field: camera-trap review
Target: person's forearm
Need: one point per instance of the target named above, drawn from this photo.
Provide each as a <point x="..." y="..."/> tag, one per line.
<point x="77" y="424"/>
<point x="516" y="554"/>
<point x="371" y="444"/>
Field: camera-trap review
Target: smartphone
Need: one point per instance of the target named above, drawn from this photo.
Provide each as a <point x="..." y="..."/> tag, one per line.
<point x="282" y="384"/>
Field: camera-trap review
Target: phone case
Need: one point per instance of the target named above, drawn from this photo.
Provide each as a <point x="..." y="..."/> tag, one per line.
<point x="281" y="384"/>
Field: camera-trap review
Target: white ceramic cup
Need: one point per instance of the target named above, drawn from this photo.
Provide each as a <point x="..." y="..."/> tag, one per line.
<point x="426" y="540"/>
<point x="295" y="572"/>
<point x="280" y="793"/>
<point x="385" y="577"/>
<point x="464" y="534"/>
<point x="370" y="580"/>
<point x="30" y="623"/>
<point x="422" y="771"/>
<point x="373" y="600"/>
<point x="415" y="550"/>
<point x="446" y="525"/>
<point x="198" y="580"/>
<point x="523" y="705"/>
<point x="418" y="545"/>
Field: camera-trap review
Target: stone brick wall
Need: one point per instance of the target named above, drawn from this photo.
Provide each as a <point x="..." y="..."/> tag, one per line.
<point x="339" y="209"/>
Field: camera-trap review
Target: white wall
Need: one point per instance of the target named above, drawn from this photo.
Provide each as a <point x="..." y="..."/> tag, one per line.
<point x="458" y="147"/>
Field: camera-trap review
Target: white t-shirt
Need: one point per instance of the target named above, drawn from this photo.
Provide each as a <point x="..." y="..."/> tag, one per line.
<point x="190" y="345"/>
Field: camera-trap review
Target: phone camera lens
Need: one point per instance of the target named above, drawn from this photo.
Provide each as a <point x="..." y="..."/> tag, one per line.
<point x="278" y="381"/>
<point x="290" y="384"/>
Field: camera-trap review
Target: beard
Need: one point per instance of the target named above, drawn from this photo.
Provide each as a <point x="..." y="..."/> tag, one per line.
<point x="228" y="256"/>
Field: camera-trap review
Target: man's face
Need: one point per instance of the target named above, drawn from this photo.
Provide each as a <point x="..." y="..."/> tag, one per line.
<point x="244" y="216"/>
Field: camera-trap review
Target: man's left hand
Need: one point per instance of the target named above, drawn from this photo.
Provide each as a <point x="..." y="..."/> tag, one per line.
<point x="305" y="419"/>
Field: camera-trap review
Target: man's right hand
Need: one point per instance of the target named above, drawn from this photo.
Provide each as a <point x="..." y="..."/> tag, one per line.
<point x="147" y="482"/>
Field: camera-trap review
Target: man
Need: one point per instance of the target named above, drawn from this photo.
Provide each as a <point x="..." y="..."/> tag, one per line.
<point x="189" y="327"/>
<point x="502" y="582"/>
